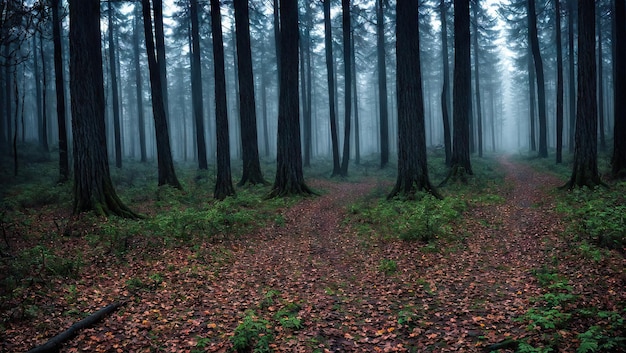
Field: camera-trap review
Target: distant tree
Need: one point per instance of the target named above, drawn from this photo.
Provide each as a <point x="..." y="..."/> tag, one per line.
<point x="167" y="175"/>
<point x="223" y="183"/>
<point x="618" y="161"/>
<point x="461" y="94"/>
<point x="306" y="78"/>
<point x="141" y="125"/>
<point x="114" y="88"/>
<point x="477" y="54"/>
<point x="445" y="92"/>
<point x="541" y="89"/>
<point x="585" y="170"/>
<point x="559" y="83"/>
<point x="249" y="140"/>
<point x="412" y="166"/>
<point x="64" y="168"/>
<point x="196" y="85"/>
<point x="93" y="189"/>
<point x="289" y="177"/>
<point x="330" y="62"/>
<point x="347" y="61"/>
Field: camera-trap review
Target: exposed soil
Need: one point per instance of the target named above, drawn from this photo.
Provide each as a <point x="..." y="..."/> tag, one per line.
<point x="460" y="298"/>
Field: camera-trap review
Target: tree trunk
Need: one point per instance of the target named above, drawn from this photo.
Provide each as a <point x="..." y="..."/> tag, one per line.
<point x="559" y="83"/>
<point x="8" y="86"/>
<point x="266" y="134"/>
<point x="167" y="175"/>
<point x="276" y="14"/>
<point x="289" y="177"/>
<point x="249" y="140"/>
<point x="585" y="170"/>
<point x="412" y="166"/>
<point x="330" y="62"/>
<point x="64" y="165"/>
<point x="115" y="94"/>
<point x="43" y="142"/>
<point x="572" y="78"/>
<point x="479" y="114"/>
<point x="347" y="60"/>
<point x="196" y="86"/>
<point x="223" y="183"/>
<point x="532" y="102"/>
<point x="160" y="52"/>
<point x="355" y="100"/>
<point x="93" y="189"/>
<point x="618" y="162"/>
<point x="382" y="85"/>
<point x="600" y="82"/>
<point x="445" y="92"/>
<point x="541" y="89"/>
<point x="460" y="159"/>
<point x="139" y="90"/>
<point x="305" y="49"/>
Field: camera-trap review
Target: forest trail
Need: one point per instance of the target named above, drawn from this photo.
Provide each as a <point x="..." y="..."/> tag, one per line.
<point x="317" y="285"/>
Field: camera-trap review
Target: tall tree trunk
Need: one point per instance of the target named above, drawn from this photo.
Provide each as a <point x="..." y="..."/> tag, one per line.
<point x="355" y="100"/>
<point x="532" y="101"/>
<point x="306" y="128"/>
<point x="600" y="82"/>
<point x="382" y="85"/>
<point x="223" y="183"/>
<point x="461" y="94"/>
<point x="44" y="96"/>
<point x="8" y="86"/>
<point x="93" y="189"/>
<point x="167" y="175"/>
<point x="541" y="89"/>
<point x="277" y="40"/>
<point x="266" y="135"/>
<point x="43" y="142"/>
<point x="159" y="35"/>
<point x="479" y="114"/>
<point x="618" y="162"/>
<point x="305" y="48"/>
<point x="347" y="60"/>
<point x="249" y="140"/>
<point x="412" y="166"/>
<point x="585" y="170"/>
<point x="289" y="177"/>
<point x="559" y="83"/>
<point x="572" y="78"/>
<point x="330" y="63"/>
<point x="196" y="86"/>
<point x="114" y="87"/>
<point x="139" y="89"/>
<point x="445" y="92"/>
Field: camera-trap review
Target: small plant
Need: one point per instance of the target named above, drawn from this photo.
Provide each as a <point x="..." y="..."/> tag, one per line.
<point x="268" y="298"/>
<point x="201" y="344"/>
<point x="407" y="318"/>
<point x="288" y="317"/>
<point x="252" y="334"/>
<point x="388" y="266"/>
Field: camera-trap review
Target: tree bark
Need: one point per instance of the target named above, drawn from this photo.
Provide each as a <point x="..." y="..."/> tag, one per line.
<point x="289" y="177"/>
<point x="355" y="100"/>
<point x="572" y="77"/>
<point x="44" y="97"/>
<point x="115" y="99"/>
<point x="347" y="60"/>
<point x="196" y="86"/>
<point x="532" y="102"/>
<point x="223" y="183"/>
<point x="445" y="92"/>
<point x="479" y="114"/>
<point x="331" y="87"/>
<point x="249" y="139"/>
<point x="382" y="85"/>
<point x="600" y="81"/>
<point x="167" y="175"/>
<point x="64" y="166"/>
<point x="559" y="83"/>
<point x="541" y="89"/>
<point x="93" y="189"/>
<point x="412" y="166"/>
<point x="159" y="36"/>
<point x="139" y="90"/>
<point x="618" y="161"/>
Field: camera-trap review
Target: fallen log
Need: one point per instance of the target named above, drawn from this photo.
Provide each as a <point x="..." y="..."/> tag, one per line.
<point x="54" y="344"/>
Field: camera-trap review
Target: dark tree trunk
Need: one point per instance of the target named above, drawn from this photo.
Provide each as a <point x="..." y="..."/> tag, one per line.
<point x="585" y="170"/>
<point x="445" y="92"/>
<point x="412" y="166"/>
<point x="167" y="175"/>
<point x="382" y="85"/>
<point x="461" y="93"/>
<point x="479" y="114"/>
<point x="64" y="165"/>
<point x="223" y="183"/>
<point x="572" y="78"/>
<point x="139" y="90"/>
<point x="541" y="89"/>
<point x="196" y="86"/>
<point x="93" y="189"/>
<point x="249" y="140"/>
<point x="330" y="62"/>
<point x="37" y="77"/>
<point x="289" y="177"/>
<point x="115" y="99"/>
<point x="559" y="84"/>
<point x="600" y="83"/>
<point x="305" y="69"/>
<point x="618" y="162"/>
<point x="8" y="85"/>
<point x="159" y="38"/>
<point x="44" y="97"/>
<point x="347" y="60"/>
<point x="532" y="102"/>
<point x="355" y="100"/>
<point x="266" y="134"/>
<point x="277" y="40"/>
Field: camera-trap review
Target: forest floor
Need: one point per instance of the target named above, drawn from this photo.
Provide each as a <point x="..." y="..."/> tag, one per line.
<point x="313" y="283"/>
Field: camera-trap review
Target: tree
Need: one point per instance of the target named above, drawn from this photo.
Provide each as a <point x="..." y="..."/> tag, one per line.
<point x="412" y="166"/>
<point x="618" y="161"/>
<point x="305" y="65"/>
<point x="559" y="83"/>
<point x="249" y="140"/>
<point x="139" y="89"/>
<point x="64" y="169"/>
<point x="585" y="170"/>
<point x="572" y="77"/>
<point x="93" y="189"/>
<point x="382" y="84"/>
<point x="477" y="54"/>
<point x="167" y="175"/>
<point x="223" y="183"/>
<point x="445" y="92"/>
<point x="541" y="89"/>
<point x="115" y="95"/>
<point x="461" y="93"/>
<point x="347" y="60"/>
<point x="330" y="72"/>
<point x="196" y="85"/>
<point x="289" y="177"/>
